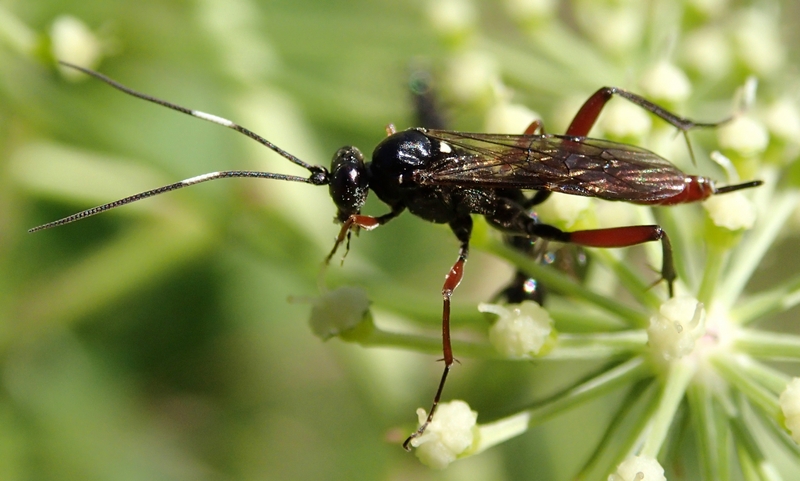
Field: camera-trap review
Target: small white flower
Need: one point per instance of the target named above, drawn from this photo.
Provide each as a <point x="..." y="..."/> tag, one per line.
<point x="638" y="468"/>
<point x="743" y="135"/>
<point x="470" y="75"/>
<point x="790" y="405"/>
<point x="710" y="8"/>
<point x="520" y="330"/>
<point x="665" y="81"/>
<point x="623" y="24"/>
<point x="783" y="120"/>
<point x="708" y="51"/>
<point x="563" y="210"/>
<point x="452" y="17"/>
<point x="622" y="119"/>
<point x="530" y="10"/>
<point x="338" y="311"/>
<point x="732" y="211"/>
<point x="674" y="330"/>
<point x="72" y="41"/>
<point x="508" y="118"/>
<point x="450" y="434"/>
<point x="758" y="41"/>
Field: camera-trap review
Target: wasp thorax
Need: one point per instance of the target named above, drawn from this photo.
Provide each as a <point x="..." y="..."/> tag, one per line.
<point x="349" y="183"/>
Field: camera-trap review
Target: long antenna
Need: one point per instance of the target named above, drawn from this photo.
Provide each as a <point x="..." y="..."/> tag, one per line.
<point x="166" y="188"/>
<point x="194" y="113"/>
<point x="319" y="174"/>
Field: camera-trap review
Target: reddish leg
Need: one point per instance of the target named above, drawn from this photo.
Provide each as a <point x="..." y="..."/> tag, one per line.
<point x="462" y="228"/>
<point x="616" y="237"/>
<point x="358" y="221"/>
<point x="533" y="127"/>
<point x="588" y="113"/>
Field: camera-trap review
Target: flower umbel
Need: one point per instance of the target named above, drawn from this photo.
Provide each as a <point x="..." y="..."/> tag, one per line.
<point x="699" y="349"/>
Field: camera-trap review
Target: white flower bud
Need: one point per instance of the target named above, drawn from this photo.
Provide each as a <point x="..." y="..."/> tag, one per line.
<point x="530" y="10"/>
<point x="507" y="118"/>
<point x="674" y="330"/>
<point x="563" y="210"/>
<point x="73" y="42"/>
<point x="665" y="81"/>
<point x="790" y="405"/>
<point x="743" y="135"/>
<point x="622" y="25"/>
<point x="758" y="41"/>
<point x="622" y="119"/>
<point x="520" y="330"/>
<point x="710" y="7"/>
<point x="783" y="120"/>
<point x="338" y="311"/>
<point x="450" y="434"/>
<point x="451" y="17"/>
<point x="732" y="211"/>
<point x="470" y="75"/>
<point x="638" y="468"/>
<point x="708" y="52"/>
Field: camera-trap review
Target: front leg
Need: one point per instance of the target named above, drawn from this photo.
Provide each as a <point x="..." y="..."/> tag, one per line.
<point x="462" y="228"/>
<point x="358" y="221"/>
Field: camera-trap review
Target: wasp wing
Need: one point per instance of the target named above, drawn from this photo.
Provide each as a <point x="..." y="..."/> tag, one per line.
<point x="570" y="165"/>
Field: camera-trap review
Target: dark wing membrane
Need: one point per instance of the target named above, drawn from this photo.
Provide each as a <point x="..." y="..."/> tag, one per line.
<point x="570" y="165"/>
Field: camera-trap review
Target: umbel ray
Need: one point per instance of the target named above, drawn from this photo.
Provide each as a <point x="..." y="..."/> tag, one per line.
<point x="447" y="176"/>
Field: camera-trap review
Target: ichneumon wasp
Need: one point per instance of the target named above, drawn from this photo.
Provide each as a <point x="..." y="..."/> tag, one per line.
<point x="447" y="176"/>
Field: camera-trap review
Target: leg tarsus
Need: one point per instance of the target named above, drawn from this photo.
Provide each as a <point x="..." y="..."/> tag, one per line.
<point x="358" y="221"/>
<point x="421" y="429"/>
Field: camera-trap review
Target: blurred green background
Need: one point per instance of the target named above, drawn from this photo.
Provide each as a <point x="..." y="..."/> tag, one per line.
<point x="158" y="341"/>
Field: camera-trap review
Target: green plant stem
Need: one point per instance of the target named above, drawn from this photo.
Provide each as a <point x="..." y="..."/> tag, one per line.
<point x="568" y="346"/>
<point x="626" y="373"/>
<point x="778" y="299"/>
<point x="732" y="372"/>
<point x="627" y="277"/>
<point x="768" y="345"/>
<point x="762" y="468"/>
<point x="754" y="245"/>
<point x="598" y="345"/>
<point x="624" y="433"/>
<point x="678" y="378"/>
<point x="427" y="343"/>
<point x="703" y="418"/>
<point x="711" y="273"/>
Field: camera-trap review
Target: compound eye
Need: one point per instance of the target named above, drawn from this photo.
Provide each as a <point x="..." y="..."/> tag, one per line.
<point x="349" y="184"/>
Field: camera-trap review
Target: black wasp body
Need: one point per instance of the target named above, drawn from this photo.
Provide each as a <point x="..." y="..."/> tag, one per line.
<point x="447" y="176"/>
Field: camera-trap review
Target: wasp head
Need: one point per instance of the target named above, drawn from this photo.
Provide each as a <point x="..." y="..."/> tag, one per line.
<point x="349" y="182"/>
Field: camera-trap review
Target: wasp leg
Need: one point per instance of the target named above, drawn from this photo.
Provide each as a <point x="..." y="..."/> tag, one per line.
<point x="588" y="113"/>
<point x="616" y="237"/>
<point x="462" y="228"/>
<point x="358" y="221"/>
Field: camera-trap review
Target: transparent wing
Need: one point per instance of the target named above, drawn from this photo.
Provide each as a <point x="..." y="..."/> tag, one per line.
<point x="571" y="165"/>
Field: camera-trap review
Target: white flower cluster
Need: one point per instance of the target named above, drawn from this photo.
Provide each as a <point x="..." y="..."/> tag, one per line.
<point x="72" y="41"/>
<point x="520" y="330"/>
<point x="338" y="311"/>
<point x="674" y="330"/>
<point x="638" y="468"/>
<point x="790" y="405"/>
<point x="450" y="434"/>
